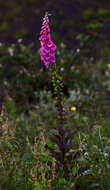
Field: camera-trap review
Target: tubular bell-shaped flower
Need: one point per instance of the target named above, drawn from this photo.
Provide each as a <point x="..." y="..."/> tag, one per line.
<point x="47" y="51"/>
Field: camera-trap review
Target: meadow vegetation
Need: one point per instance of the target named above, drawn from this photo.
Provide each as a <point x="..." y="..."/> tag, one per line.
<point x="54" y="128"/>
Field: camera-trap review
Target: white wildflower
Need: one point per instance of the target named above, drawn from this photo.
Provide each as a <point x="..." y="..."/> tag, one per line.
<point x="11" y="51"/>
<point x="20" y="40"/>
<point x="72" y="68"/>
<point x="78" y="50"/>
<point x="62" y="69"/>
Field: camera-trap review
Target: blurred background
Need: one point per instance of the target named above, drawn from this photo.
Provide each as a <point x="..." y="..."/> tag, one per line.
<point x="81" y="31"/>
<point x="71" y="21"/>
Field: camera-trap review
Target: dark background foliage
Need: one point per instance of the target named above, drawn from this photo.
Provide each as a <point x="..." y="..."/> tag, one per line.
<point x="90" y="19"/>
<point x="79" y="28"/>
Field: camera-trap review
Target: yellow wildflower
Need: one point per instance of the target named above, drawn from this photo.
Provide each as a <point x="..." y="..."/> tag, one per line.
<point x="73" y="108"/>
<point x="108" y="65"/>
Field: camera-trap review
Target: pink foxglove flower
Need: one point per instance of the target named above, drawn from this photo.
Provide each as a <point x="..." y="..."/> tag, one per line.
<point x="47" y="51"/>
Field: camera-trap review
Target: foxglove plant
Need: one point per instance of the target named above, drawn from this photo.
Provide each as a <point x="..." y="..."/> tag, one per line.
<point x="47" y="52"/>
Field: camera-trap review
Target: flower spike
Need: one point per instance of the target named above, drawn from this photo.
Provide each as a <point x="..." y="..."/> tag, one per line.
<point x="48" y="48"/>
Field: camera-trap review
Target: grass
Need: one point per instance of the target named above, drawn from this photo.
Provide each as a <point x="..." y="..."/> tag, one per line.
<point x="36" y="153"/>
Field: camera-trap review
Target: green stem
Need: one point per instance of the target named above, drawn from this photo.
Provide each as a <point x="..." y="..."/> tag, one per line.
<point x="57" y="87"/>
